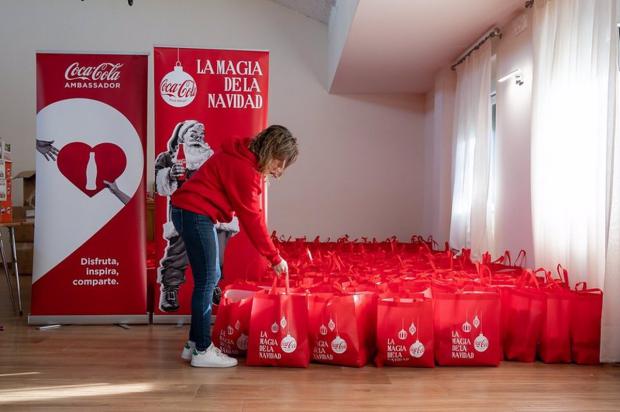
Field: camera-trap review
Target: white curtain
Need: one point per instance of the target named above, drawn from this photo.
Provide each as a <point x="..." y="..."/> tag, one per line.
<point x="469" y="225"/>
<point x="572" y="131"/>
<point x="438" y="194"/>
<point x="610" y="345"/>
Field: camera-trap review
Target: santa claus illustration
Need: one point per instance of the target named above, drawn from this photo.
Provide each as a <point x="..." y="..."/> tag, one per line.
<point x="187" y="151"/>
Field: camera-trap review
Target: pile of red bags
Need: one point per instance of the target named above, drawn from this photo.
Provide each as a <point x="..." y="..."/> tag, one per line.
<point x="350" y="302"/>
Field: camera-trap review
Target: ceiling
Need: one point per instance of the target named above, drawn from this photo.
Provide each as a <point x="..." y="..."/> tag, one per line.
<point x="315" y="9"/>
<point x="397" y="46"/>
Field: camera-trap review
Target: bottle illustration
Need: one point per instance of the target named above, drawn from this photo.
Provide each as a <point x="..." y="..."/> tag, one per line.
<point x="91" y="172"/>
<point x="181" y="160"/>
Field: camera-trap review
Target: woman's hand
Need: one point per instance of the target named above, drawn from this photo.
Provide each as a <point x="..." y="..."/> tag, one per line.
<point x="281" y="268"/>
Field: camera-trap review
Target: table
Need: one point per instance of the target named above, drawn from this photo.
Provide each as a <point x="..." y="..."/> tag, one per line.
<point x="11" y="227"/>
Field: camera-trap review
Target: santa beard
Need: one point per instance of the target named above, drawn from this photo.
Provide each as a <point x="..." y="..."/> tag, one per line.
<point x="196" y="155"/>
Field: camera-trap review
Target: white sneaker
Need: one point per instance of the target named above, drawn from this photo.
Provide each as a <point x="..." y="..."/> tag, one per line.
<point x="212" y="358"/>
<point x="187" y="350"/>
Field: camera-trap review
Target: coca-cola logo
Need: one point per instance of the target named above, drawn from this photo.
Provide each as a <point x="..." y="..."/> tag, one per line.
<point x="183" y="90"/>
<point x="104" y="72"/>
<point x="288" y="344"/>
<point x="178" y="88"/>
<point x="339" y="345"/>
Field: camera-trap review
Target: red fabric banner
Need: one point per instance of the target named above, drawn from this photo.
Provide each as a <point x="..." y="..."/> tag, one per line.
<point x="202" y="98"/>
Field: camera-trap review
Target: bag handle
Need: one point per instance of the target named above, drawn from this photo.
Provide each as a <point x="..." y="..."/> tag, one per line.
<point x="504" y="258"/>
<point x="521" y="259"/>
<point x="549" y="281"/>
<point x="481" y="269"/>
<point x="431" y="242"/>
<point x="563" y="274"/>
<point x="274" y="287"/>
<point x="528" y="277"/>
<point x="583" y="287"/>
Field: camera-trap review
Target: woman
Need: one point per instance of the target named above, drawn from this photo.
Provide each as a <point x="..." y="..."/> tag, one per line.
<point x="229" y="182"/>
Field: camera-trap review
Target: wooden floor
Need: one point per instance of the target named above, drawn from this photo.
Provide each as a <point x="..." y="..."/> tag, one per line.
<point x="110" y="368"/>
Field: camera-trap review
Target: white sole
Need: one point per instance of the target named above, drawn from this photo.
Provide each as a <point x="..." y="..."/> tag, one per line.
<point x="186" y="355"/>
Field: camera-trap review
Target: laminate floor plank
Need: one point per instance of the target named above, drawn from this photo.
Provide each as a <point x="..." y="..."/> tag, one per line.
<point x="83" y="368"/>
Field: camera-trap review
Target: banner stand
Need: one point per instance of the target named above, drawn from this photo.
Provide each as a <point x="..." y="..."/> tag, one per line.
<point x="204" y="98"/>
<point x="89" y="319"/>
<point x="89" y="263"/>
<point x="178" y="319"/>
<point x="172" y="319"/>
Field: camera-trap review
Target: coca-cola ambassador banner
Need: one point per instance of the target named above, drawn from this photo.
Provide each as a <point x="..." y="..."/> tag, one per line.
<point x="90" y="257"/>
<point x="202" y="98"/>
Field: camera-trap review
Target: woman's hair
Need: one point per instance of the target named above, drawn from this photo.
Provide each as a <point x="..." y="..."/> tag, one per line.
<point x="275" y="142"/>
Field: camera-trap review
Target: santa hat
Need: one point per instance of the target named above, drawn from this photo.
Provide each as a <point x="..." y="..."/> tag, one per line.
<point x="179" y="131"/>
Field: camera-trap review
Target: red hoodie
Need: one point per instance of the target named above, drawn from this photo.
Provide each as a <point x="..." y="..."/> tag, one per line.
<point x="230" y="182"/>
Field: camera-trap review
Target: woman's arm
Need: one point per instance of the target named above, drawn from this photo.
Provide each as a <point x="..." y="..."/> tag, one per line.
<point x="244" y="194"/>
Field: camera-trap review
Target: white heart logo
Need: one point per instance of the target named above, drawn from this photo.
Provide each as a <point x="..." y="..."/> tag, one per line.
<point x="62" y="208"/>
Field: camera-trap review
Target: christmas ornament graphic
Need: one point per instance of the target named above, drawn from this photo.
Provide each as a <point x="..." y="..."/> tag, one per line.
<point x="288" y="344"/>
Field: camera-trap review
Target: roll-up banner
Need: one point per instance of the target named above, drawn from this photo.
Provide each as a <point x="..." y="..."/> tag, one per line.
<point x="89" y="260"/>
<point x="203" y="97"/>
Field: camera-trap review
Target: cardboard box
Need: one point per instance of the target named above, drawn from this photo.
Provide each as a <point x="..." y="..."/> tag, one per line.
<point x="6" y="199"/>
<point x="23" y="233"/>
<point x="29" y="180"/>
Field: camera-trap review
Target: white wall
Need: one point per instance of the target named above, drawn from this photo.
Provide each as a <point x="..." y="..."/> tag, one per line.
<point x="340" y="20"/>
<point x="360" y="171"/>
<point x="361" y="156"/>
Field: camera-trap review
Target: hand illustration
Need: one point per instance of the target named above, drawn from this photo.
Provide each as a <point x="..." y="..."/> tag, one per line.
<point x="46" y="148"/>
<point x="176" y="171"/>
<point x="117" y="192"/>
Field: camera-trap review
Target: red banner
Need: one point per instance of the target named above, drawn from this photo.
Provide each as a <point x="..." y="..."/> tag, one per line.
<point x="89" y="227"/>
<point x="202" y="98"/>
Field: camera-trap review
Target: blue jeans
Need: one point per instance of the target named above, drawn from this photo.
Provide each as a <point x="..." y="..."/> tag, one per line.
<point x="200" y="237"/>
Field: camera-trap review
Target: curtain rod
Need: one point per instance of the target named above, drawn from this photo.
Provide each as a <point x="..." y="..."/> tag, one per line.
<point x="496" y="32"/>
<point x="490" y="34"/>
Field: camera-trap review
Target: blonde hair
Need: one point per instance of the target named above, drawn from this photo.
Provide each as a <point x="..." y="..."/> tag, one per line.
<point x="275" y="142"/>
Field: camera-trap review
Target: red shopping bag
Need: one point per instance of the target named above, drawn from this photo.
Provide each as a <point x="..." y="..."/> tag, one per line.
<point x="232" y="323"/>
<point x="523" y="312"/>
<point x="585" y="324"/>
<point x="342" y="328"/>
<point x="504" y="264"/>
<point x="555" y="336"/>
<point x="467" y="328"/>
<point x="405" y="331"/>
<point x="278" y="329"/>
